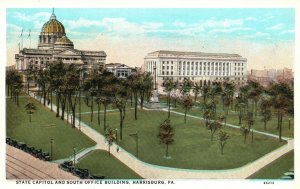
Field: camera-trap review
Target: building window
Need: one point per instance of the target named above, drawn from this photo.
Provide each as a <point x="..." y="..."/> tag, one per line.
<point x="163" y="73"/>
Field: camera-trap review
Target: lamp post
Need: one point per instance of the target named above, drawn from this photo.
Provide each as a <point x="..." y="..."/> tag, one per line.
<point x="155" y="87"/>
<point x="289" y="123"/>
<point x="51" y="148"/>
<point x="116" y="135"/>
<point x="136" y="138"/>
<point x="74" y="150"/>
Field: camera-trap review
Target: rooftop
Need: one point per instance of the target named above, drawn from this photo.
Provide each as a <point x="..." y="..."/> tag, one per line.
<point x="163" y="53"/>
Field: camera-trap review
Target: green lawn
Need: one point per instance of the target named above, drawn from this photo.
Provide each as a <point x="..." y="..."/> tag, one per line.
<point x="100" y="163"/>
<point x="43" y="127"/>
<point x="232" y="118"/>
<point x="192" y="148"/>
<point x="277" y="168"/>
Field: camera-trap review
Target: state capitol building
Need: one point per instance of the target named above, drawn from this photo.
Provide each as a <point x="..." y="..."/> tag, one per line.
<point x="204" y="68"/>
<point x="54" y="45"/>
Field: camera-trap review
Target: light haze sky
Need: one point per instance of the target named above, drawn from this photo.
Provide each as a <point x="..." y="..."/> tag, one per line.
<point x="264" y="36"/>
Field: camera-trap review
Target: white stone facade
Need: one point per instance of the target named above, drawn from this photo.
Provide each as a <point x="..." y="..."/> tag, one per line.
<point x="119" y="70"/>
<point x="197" y="66"/>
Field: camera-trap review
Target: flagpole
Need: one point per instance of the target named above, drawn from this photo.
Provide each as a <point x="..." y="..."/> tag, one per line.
<point x="29" y="35"/>
<point x="21" y="39"/>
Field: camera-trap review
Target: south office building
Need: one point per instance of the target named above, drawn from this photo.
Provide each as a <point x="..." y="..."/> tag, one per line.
<point x="204" y="68"/>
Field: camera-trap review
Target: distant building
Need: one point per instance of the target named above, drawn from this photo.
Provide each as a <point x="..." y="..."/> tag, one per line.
<point x="54" y="45"/>
<point x="266" y="76"/>
<point x="204" y="68"/>
<point x="120" y="70"/>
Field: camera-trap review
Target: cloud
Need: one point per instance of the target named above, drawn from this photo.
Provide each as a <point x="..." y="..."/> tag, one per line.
<point x="287" y="32"/>
<point x="115" y="26"/>
<point x="230" y="30"/>
<point x="222" y="23"/>
<point x="275" y="27"/>
<point x="30" y="18"/>
<point x="261" y="34"/>
<point x="179" y="24"/>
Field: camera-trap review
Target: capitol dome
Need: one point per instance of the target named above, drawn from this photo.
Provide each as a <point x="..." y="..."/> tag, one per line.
<point x="53" y="26"/>
<point x="51" y="31"/>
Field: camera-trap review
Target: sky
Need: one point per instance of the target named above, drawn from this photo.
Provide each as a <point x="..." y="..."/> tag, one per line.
<point x="264" y="36"/>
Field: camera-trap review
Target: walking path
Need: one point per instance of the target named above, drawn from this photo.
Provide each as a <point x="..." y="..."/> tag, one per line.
<point x="150" y="171"/>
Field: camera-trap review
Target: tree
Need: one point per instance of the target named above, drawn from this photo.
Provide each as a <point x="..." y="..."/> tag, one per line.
<point x="43" y="81"/>
<point x="186" y="87"/>
<point x="255" y="89"/>
<point x="214" y="126"/>
<point x="120" y="101"/>
<point x="30" y="108"/>
<point x="91" y="87"/>
<point x="169" y="85"/>
<point x="245" y="131"/>
<point x="229" y="89"/>
<point x="98" y="101"/>
<point x="135" y="83"/>
<point x="146" y="87"/>
<point x="72" y="89"/>
<point x="250" y="120"/>
<point x="30" y="74"/>
<point x="166" y="135"/>
<point x="205" y="91"/>
<point x="283" y="101"/>
<point x="108" y="91"/>
<point x="110" y="138"/>
<point x="209" y="113"/>
<point x="241" y="106"/>
<point x="14" y="84"/>
<point x="223" y="137"/>
<point x="196" y="90"/>
<point x="57" y="72"/>
<point x="187" y="103"/>
<point x="265" y="111"/>
<point x="215" y="90"/>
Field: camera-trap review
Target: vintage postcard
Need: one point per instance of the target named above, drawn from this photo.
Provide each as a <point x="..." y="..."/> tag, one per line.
<point x="164" y="96"/>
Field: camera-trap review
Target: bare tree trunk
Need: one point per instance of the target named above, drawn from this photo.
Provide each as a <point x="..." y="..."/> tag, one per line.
<point x="169" y="105"/>
<point x="98" y="107"/>
<point x="121" y="124"/>
<point x="167" y="151"/>
<point x="92" y="109"/>
<point x="105" y="106"/>
<point x="135" y="106"/>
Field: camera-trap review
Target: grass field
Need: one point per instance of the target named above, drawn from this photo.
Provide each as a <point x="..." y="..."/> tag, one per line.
<point x="192" y="148"/>
<point x="277" y="168"/>
<point x="43" y="127"/>
<point x="233" y="118"/>
<point x="99" y="163"/>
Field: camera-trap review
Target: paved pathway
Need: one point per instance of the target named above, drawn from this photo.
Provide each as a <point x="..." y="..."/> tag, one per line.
<point x="150" y="171"/>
